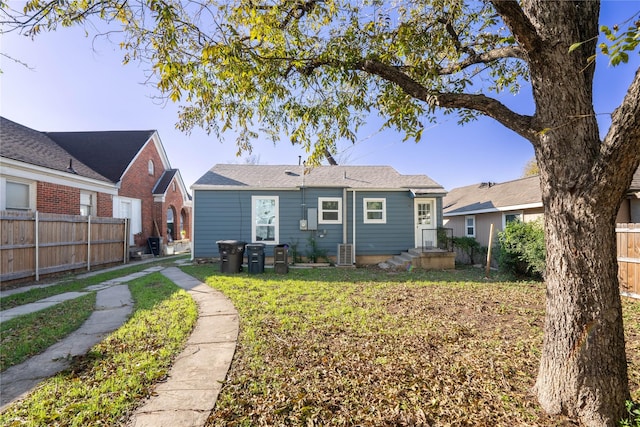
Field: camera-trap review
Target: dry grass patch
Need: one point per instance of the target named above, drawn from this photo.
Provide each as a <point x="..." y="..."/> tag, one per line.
<point x="375" y="349"/>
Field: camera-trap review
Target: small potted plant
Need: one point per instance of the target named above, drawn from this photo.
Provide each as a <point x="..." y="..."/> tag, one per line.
<point x="183" y="234"/>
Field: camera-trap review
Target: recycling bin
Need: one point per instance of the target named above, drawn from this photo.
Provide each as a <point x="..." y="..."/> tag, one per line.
<point x="255" y="257"/>
<point x="281" y="259"/>
<point x="231" y="255"/>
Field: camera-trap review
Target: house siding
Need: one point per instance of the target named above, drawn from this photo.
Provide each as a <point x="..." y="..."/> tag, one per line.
<point x="392" y="237"/>
<point x="226" y="215"/>
<point x="484" y="221"/>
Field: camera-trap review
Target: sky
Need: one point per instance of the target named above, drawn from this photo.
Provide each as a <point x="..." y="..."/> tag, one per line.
<point x="77" y="83"/>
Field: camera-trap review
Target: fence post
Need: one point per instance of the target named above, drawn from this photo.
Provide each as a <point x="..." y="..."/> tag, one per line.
<point x="37" y="236"/>
<point x="124" y="241"/>
<point x="88" y="242"/>
<point x="488" y="269"/>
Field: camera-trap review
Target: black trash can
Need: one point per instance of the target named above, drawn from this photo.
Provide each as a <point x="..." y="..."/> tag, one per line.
<point x="231" y="255"/>
<point x="255" y="257"/>
<point x="281" y="259"/>
<point x="154" y="245"/>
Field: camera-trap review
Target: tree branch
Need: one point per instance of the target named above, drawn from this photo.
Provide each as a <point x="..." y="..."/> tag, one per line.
<point x="484" y="57"/>
<point x="621" y="145"/>
<point x="488" y="106"/>
<point x="521" y="27"/>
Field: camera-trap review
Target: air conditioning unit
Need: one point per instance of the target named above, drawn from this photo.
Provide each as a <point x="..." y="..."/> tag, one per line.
<point x="345" y="254"/>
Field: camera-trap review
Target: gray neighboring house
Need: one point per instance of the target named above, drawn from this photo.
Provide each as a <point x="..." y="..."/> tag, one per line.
<point x="471" y="210"/>
<point x="360" y="214"/>
<point x="630" y="209"/>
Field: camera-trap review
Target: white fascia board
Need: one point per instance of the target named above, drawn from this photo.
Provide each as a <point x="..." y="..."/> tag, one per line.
<point x="385" y="190"/>
<point x="155" y="139"/>
<point x="38" y="173"/>
<point x="208" y="187"/>
<point x="183" y="188"/>
<point x="159" y="199"/>
<point x="160" y="148"/>
<point x="497" y="209"/>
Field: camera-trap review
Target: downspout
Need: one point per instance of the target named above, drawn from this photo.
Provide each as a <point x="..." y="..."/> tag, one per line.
<point x="353" y="260"/>
<point x="344" y="214"/>
<point x="193" y="225"/>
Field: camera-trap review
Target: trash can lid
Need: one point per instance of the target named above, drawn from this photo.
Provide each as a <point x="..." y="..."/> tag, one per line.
<point x="255" y="245"/>
<point x="231" y="242"/>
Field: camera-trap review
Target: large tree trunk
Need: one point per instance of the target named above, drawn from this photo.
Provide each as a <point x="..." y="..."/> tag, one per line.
<point x="583" y="370"/>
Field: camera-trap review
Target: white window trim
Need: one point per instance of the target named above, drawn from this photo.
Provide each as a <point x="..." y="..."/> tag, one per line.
<point x="365" y="219"/>
<point x="151" y="168"/>
<point x="3" y="192"/>
<point x="504" y="217"/>
<point x="276" y="223"/>
<point x="92" y="202"/>
<point x="321" y="211"/>
<point x="466" y="227"/>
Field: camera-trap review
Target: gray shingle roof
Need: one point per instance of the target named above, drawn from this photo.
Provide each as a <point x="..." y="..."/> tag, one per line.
<point x="488" y="197"/>
<point x="163" y="183"/>
<point x="635" y="182"/>
<point x="223" y="176"/>
<point x="26" y="145"/>
<point x="107" y="152"/>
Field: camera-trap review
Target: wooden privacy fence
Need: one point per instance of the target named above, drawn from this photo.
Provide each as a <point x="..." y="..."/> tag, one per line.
<point x="33" y="243"/>
<point x="628" y="236"/>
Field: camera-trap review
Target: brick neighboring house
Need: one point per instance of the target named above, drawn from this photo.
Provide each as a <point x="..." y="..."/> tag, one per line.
<point x="132" y="168"/>
<point x="36" y="174"/>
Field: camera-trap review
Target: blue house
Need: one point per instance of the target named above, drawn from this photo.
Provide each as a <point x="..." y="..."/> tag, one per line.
<point x="355" y="214"/>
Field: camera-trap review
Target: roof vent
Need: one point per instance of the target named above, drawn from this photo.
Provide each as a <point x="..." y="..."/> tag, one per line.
<point x="487" y="184"/>
<point x="70" y="169"/>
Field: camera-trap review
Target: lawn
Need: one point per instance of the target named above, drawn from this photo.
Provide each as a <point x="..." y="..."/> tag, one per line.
<point x="324" y="347"/>
<point x="371" y="348"/>
<point x="104" y="386"/>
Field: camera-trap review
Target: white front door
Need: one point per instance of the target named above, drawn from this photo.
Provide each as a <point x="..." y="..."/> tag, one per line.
<point x="425" y="223"/>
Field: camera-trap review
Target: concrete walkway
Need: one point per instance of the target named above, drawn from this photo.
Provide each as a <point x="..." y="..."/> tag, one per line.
<point x="189" y="394"/>
<point x="191" y="391"/>
<point x="113" y="306"/>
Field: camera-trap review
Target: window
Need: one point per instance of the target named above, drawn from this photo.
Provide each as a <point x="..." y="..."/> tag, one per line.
<point x="470" y="225"/>
<point x="170" y="225"/>
<point x="18" y="196"/>
<point x="330" y="210"/>
<point x="375" y="211"/>
<point x="87" y="205"/>
<point x="264" y="214"/>
<point x="510" y="217"/>
<point x="151" y="168"/>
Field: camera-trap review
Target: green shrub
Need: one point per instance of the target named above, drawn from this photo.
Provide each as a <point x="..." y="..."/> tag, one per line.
<point x="315" y="252"/>
<point x="471" y="248"/>
<point x="521" y="249"/>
